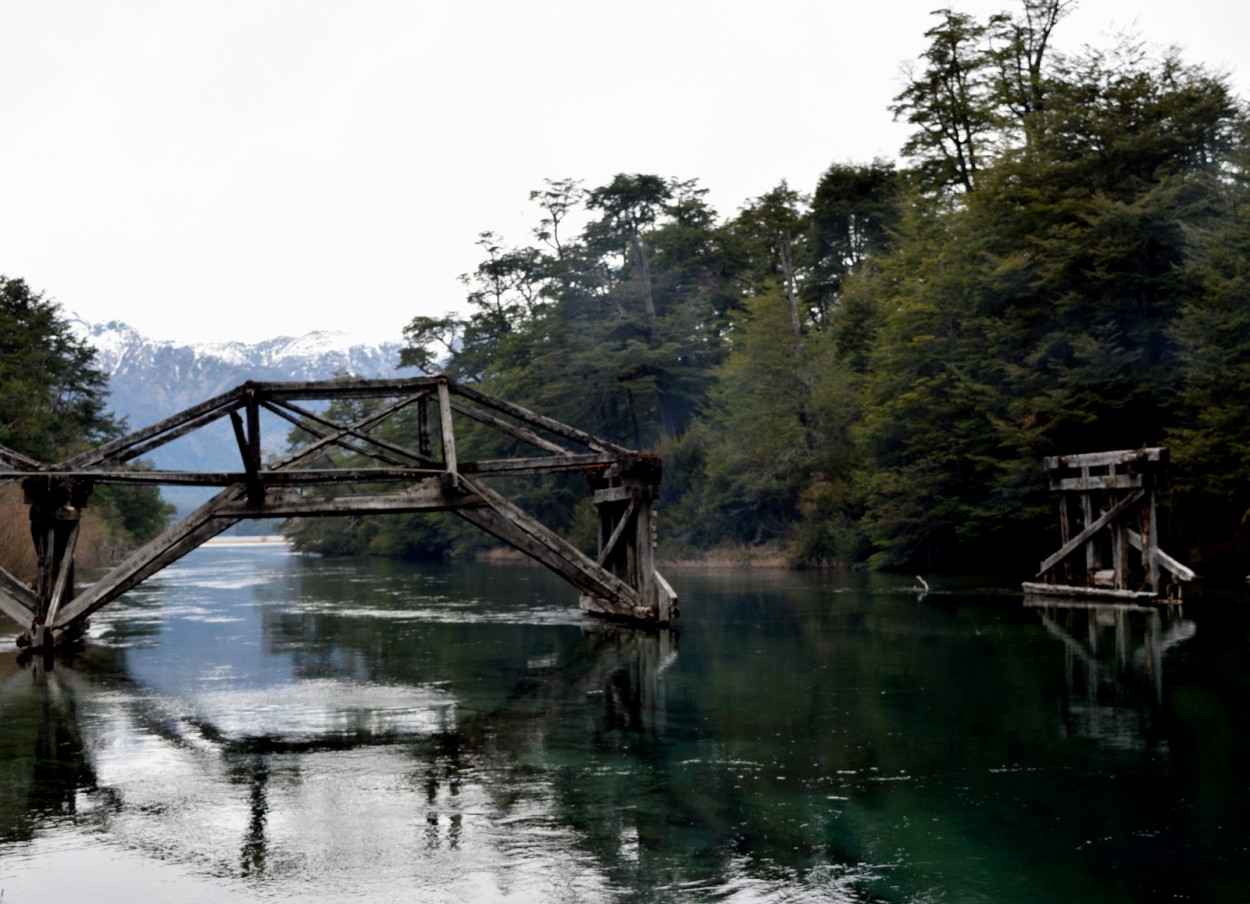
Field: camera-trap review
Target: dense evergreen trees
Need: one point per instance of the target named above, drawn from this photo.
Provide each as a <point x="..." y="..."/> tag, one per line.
<point x="54" y="398"/>
<point x="871" y="373"/>
<point x="1211" y="432"/>
<point x="53" y="403"/>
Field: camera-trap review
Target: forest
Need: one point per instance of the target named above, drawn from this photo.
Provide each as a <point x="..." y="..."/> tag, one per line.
<point x="53" y="404"/>
<point x="868" y="371"/>
<point x="864" y="372"/>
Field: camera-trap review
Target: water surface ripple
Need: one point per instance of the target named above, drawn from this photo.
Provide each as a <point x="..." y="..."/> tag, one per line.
<point x="253" y="725"/>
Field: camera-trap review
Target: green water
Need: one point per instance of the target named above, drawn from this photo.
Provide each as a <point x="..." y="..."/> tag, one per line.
<point x="257" y="726"/>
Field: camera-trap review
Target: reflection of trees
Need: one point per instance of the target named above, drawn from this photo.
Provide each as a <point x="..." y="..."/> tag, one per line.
<point x="806" y="740"/>
<point x="616" y="795"/>
<point x="486" y="768"/>
<point x="546" y="712"/>
<point x="254" y="771"/>
<point x="611" y="797"/>
<point x="849" y="743"/>
<point x="43" y="764"/>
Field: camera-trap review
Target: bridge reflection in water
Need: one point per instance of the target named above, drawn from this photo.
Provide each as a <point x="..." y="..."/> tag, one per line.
<point x="260" y="725"/>
<point x="1114" y="657"/>
<point x="302" y="789"/>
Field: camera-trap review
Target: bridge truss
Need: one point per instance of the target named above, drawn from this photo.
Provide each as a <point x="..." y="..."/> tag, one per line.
<point x="386" y="477"/>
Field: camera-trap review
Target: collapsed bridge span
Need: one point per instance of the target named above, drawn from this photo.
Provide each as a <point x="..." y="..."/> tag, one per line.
<point x="384" y="476"/>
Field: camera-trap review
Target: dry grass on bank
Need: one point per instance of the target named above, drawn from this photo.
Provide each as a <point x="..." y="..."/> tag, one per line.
<point x="501" y="555"/>
<point x="765" y="556"/>
<point x="97" y="546"/>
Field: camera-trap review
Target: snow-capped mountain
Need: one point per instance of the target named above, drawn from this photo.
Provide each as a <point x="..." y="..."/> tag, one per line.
<point x="150" y="380"/>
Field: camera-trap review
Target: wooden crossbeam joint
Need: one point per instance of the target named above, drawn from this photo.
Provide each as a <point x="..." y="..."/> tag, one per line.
<point x="251" y="470"/>
<point x="1075" y="543"/>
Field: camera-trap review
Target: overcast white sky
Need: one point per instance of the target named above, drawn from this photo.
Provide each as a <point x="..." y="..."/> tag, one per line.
<point x="241" y="169"/>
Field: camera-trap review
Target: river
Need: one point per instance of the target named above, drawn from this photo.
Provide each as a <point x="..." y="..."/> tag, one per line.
<point x="254" y="725"/>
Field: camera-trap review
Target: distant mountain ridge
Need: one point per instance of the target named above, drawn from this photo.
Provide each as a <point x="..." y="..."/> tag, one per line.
<point x="152" y="379"/>
<point x="149" y="380"/>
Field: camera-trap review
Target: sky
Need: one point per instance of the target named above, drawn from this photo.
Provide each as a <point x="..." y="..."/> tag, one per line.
<point x="244" y="169"/>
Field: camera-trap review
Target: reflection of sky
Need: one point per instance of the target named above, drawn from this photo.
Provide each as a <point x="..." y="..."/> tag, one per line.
<point x="194" y="823"/>
<point x="810" y="743"/>
<point x="209" y="623"/>
<point x="172" y="800"/>
<point x="214" y="655"/>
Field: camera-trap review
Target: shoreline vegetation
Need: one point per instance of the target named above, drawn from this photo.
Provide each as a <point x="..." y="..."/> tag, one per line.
<point x="99" y="543"/>
<point x="868" y="372"/>
<point x="771" y="556"/>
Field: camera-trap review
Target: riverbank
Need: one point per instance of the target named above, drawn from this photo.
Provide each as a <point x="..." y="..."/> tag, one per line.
<point x="769" y="556"/>
<point x="258" y="540"/>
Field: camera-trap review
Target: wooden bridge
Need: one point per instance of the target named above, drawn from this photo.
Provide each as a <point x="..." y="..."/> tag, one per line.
<point x="1107" y="505"/>
<point x="621" y="581"/>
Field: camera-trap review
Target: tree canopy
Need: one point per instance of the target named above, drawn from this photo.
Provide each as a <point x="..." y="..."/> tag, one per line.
<point x="54" y="402"/>
<point x="870" y="371"/>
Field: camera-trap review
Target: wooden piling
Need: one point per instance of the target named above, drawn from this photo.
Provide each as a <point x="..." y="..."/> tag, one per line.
<point x="1116" y="495"/>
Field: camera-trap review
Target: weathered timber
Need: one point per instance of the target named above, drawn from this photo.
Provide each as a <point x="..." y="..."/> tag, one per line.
<point x="528" y="436"/>
<point x="518" y="528"/>
<point x="301" y="417"/>
<point x="431" y="494"/>
<point x="1115" y="494"/>
<point x="165" y="430"/>
<point x="191" y="424"/>
<point x="1156" y="455"/>
<point x="1079" y="540"/>
<point x="55" y="503"/>
<point x="64" y="584"/>
<point x="609" y="546"/>
<point x="1161" y="558"/>
<point x="623" y="496"/>
<point x="268" y="477"/>
<point x="620" y="582"/>
<point x="1085" y="592"/>
<point x="175" y="542"/>
<point x="449" y="436"/>
<point x="17" y="600"/>
<point x="589" y="463"/>
<point x="580" y="437"/>
<point x="16" y="461"/>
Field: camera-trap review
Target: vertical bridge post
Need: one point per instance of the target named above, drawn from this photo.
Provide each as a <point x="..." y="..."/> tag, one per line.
<point x="56" y="505"/>
<point x="623" y="498"/>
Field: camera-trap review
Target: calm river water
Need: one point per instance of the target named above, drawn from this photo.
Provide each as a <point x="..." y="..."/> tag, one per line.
<point x="253" y="725"/>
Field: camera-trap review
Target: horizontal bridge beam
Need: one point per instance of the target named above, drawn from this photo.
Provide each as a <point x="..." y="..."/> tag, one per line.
<point x="543" y="464"/>
<point x="428" y="496"/>
<point x="1144" y="457"/>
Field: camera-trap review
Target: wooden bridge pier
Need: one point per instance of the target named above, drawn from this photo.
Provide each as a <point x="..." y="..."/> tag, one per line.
<point x="56" y="506"/>
<point x="380" y="476"/>
<point x="624" y="501"/>
<point x="1107" y="508"/>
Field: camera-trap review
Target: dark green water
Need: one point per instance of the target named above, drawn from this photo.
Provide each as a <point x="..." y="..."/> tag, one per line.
<point x="253" y="726"/>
